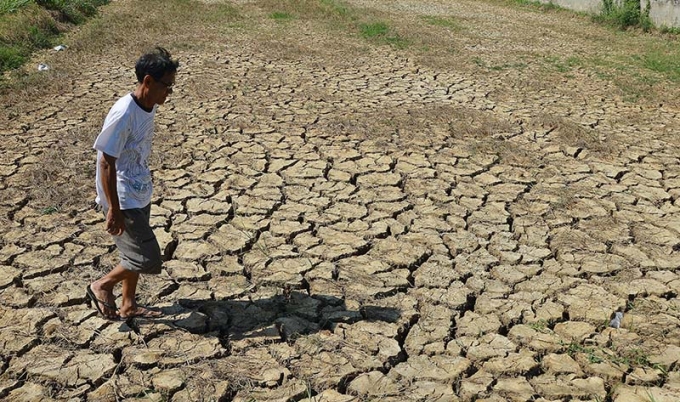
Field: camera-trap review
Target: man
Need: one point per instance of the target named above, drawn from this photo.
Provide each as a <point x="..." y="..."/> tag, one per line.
<point x="124" y="185"/>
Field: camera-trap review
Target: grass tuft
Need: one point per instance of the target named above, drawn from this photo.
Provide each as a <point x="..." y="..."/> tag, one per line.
<point x="563" y="65"/>
<point x="376" y="29"/>
<point x="281" y="16"/>
<point x="448" y="22"/>
<point x="12" y="6"/>
<point x="380" y="32"/>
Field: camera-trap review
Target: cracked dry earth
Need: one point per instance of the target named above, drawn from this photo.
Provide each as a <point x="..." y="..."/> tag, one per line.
<point x="354" y="229"/>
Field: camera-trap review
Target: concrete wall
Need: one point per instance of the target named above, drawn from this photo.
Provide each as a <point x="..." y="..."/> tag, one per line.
<point x="665" y="13"/>
<point x="662" y="12"/>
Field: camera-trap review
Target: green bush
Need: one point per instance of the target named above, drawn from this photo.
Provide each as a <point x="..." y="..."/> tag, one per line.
<point x="29" y="25"/>
<point x="12" y="6"/>
<point x="10" y="58"/>
<point x="625" y="14"/>
<point x="75" y="11"/>
<point x="41" y="37"/>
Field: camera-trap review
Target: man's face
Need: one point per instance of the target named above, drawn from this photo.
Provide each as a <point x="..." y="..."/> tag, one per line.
<point x="160" y="89"/>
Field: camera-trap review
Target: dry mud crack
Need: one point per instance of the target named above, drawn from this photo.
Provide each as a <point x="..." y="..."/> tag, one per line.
<point x="373" y="228"/>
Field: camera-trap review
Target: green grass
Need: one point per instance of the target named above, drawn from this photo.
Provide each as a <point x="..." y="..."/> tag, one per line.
<point x="49" y="210"/>
<point x="29" y="25"/>
<point x="539" y="325"/>
<point x="75" y="11"/>
<point x="669" y="30"/>
<point x="337" y="8"/>
<point x="281" y="16"/>
<point x="574" y="348"/>
<point x="380" y="32"/>
<point x="666" y="62"/>
<point x="625" y="14"/>
<point x="635" y="74"/>
<point x="12" y="6"/>
<point x="563" y="65"/>
<point x="11" y="58"/>
<point x="374" y="30"/>
<point x="632" y="357"/>
<point x="449" y="22"/>
<point x="479" y="62"/>
<point x="338" y="16"/>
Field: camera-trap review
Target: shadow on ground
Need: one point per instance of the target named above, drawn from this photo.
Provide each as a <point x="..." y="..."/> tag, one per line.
<point x="281" y="316"/>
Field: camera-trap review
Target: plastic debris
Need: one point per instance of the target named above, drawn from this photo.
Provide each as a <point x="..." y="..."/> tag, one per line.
<point x="60" y="47"/>
<point x="616" y="321"/>
<point x="43" y="67"/>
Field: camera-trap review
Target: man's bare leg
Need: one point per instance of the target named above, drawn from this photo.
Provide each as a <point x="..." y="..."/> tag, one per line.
<point x="129" y="301"/>
<point x="129" y="307"/>
<point x="103" y="289"/>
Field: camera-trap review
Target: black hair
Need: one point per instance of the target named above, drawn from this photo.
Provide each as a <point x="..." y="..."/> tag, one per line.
<point x="155" y="63"/>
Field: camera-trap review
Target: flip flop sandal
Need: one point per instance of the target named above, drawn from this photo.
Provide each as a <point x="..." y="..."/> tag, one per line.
<point x="92" y="299"/>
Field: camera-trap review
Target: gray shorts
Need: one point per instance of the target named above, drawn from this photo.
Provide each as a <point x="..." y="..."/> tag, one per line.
<point x="138" y="248"/>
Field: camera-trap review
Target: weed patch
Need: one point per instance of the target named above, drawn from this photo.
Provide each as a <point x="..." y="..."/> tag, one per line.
<point x="498" y="67"/>
<point x="12" y="6"/>
<point x="337" y="8"/>
<point x="664" y="62"/>
<point x="449" y="22"/>
<point x="11" y="57"/>
<point x="326" y="10"/>
<point x="625" y="14"/>
<point x="563" y="65"/>
<point x="281" y="16"/>
<point x="379" y="31"/>
<point x="74" y="11"/>
<point x="26" y="26"/>
<point x="338" y="15"/>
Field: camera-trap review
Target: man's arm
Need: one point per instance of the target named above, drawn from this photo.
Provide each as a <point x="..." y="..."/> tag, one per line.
<point x="115" y="223"/>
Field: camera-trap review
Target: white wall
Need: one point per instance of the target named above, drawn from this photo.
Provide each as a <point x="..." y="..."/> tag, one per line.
<point x="665" y="13"/>
<point x="588" y="6"/>
<point x="662" y="12"/>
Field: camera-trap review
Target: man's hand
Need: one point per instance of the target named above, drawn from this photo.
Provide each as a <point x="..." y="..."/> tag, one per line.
<point x="115" y="222"/>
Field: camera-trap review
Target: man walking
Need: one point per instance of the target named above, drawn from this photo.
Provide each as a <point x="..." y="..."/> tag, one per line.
<point x="124" y="185"/>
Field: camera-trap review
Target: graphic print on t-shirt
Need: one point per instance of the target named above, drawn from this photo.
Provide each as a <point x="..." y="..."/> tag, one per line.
<point x="127" y="135"/>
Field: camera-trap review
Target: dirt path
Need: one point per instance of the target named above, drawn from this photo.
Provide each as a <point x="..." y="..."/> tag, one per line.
<point x="457" y="218"/>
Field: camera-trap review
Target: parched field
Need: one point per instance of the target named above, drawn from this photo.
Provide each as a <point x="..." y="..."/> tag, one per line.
<point x="395" y="200"/>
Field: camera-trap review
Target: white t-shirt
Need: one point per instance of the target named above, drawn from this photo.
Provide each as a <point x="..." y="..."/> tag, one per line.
<point x="126" y="135"/>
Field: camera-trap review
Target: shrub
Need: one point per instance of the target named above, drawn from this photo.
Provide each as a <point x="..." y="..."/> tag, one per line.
<point x="10" y="58"/>
<point x="624" y="14"/>
<point x="29" y="25"/>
